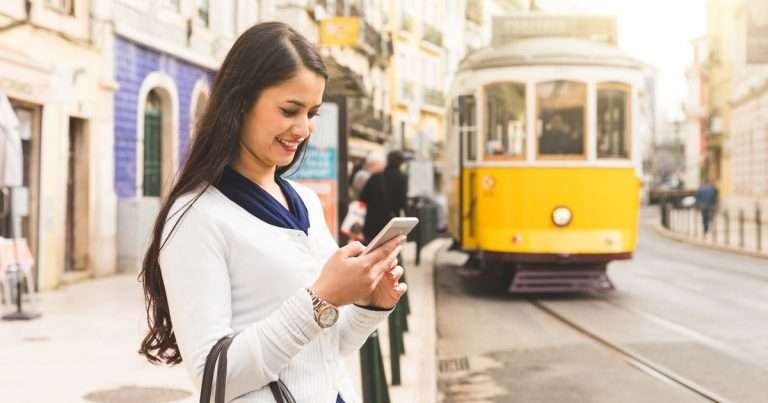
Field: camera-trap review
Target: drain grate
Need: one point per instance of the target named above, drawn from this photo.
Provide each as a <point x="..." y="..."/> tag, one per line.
<point x="133" y="394"/>
<point x="453" y="365"/>
<point x="34" y="339"/>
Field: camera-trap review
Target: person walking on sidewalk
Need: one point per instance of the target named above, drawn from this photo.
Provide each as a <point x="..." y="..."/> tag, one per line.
<point x="706" y="201"/>
<point x="238" y="249"/>
<point x="385" y="195"/>
<point x="375" y="162"/>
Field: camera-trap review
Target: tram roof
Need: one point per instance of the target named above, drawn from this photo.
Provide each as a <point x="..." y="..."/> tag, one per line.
<point x="548" y="51"/>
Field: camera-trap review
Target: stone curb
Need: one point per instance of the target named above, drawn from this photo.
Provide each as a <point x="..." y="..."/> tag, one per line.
<point x="682" y="238"/>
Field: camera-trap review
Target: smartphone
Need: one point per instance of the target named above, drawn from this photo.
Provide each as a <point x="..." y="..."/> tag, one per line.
<point x="394" y="228"/>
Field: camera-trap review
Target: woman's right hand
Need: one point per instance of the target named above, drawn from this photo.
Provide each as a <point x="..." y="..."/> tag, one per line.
<point x="348" y="277"/>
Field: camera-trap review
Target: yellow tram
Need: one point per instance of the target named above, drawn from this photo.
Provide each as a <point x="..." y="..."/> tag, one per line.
<point x="544" y="166"/>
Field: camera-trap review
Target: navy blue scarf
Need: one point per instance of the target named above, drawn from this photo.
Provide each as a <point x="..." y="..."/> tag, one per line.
<point x="263" y="205"/>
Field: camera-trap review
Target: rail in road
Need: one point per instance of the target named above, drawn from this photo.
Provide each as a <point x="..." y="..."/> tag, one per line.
<point x="644" y="364"/>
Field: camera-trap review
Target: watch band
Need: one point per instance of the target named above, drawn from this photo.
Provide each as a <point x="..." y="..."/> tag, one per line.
<point x="321" y="308"/>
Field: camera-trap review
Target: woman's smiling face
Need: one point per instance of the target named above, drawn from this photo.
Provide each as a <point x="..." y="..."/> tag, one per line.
<point x="281" y="119"/>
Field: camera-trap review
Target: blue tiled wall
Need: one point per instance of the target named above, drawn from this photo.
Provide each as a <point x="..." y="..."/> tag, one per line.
<point x="133" y="63"/>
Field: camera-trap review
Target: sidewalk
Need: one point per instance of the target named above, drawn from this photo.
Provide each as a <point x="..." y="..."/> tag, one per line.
<point x="418" y="367"/>
<point x="707" y="242"/>
<point x="84" y="348"/>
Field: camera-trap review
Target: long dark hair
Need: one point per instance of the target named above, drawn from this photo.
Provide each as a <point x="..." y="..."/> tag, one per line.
<point x="265" y="55"/>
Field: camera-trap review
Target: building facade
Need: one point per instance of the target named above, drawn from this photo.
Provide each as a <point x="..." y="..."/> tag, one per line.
<point x="748" y="143"/>
<point x="418" y="77"/>
<point x="54" y="69"/>
<point x="694" y="120"/>
<point x="721" y="28"/>
<point x="165" y="54"/>
<point x="359" y="65"/>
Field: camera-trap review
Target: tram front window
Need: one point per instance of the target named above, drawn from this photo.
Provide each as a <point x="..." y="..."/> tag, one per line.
<point x="612" y="122"/>
<point x="505" y="120"/>
<point x="561" y="116"/>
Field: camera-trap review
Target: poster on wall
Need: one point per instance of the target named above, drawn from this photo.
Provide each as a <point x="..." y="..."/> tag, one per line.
<point x="319" y="171"/>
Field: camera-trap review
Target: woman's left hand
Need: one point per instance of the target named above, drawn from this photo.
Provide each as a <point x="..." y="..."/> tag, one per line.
<point x="388" y="291"/>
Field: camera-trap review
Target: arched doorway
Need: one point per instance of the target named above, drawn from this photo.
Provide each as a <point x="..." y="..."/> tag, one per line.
<point x="153" y="145"/>
<point x="157" y="147"/>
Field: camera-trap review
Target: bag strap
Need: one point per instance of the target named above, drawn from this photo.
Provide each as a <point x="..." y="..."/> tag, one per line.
<point x="218" y="354"/>
<point x="276" y="392"/>
<point x="210" y="364"/>
<point x="281" y="392"/>
<point x="221" y="372"/>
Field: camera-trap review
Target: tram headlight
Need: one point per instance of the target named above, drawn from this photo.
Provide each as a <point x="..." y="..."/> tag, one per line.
<point x="561" y="216"/>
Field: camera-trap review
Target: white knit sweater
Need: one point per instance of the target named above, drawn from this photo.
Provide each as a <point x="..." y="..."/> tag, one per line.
<point x="226" y="271"/>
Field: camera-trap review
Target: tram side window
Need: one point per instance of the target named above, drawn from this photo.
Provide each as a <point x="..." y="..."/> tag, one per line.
<point x="505" y="120"/>
<point x="612" y="120"/>
<point x="561" y="117"/>
<point x="468" y="126"/>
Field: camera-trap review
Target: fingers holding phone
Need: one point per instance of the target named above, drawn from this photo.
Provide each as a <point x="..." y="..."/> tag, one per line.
<point x="389" y="289"/>
<point x="357" y="273"/>
<point x="385" y="257"/>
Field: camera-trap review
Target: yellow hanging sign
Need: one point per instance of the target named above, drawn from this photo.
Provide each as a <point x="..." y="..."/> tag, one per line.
<point x="339" y="31"/>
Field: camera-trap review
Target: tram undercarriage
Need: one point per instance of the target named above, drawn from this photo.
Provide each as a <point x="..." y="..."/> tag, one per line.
<point x="542" y="273"/>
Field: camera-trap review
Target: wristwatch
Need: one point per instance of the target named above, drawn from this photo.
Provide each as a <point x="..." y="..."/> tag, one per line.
<point x="326" y="314"/>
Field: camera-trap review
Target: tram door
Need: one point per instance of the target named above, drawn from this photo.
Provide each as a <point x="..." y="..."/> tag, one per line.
<point x="467" y="179"/>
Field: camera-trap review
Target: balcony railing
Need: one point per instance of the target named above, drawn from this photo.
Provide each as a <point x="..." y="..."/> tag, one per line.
<point x="434" y="97"/>
<point x="433" y="35"/>
<point x="407" y="23"/>
<point x="474" y="11"/>
<point x="407" y="91"/>
<point x="366" y="122"/>
<point x="371" y="37"/>
<point x="384" y="54"/>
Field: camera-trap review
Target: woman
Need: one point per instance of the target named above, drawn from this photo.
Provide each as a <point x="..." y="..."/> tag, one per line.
<point x="237" y="249"/>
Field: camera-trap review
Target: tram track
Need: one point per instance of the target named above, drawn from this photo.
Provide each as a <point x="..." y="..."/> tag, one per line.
<point x="653" y="369"/>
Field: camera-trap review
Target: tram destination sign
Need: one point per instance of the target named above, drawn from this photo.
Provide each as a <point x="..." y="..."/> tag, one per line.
<point x="510" y="28"/>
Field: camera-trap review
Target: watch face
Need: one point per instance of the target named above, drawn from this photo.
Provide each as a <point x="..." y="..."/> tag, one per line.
<point x="328" y="316"/>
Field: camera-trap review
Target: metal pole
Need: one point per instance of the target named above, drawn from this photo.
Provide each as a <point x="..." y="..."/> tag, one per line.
<point x="695" y="224"/>
<point x="741" y="228"/>
<point x="759" y="228"/>
<point x="395" y="343"/>
<point x="375" y="389"/>
<point x="406" y="304"/>
<point x="727" y="228"/>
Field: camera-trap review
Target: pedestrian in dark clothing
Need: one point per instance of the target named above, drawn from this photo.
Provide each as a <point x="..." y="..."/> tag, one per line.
<point x="706" y="200"/>
<point x="385" y="195"/>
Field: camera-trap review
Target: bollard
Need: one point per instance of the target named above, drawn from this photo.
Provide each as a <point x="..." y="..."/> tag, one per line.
<point x="406" y="306"/>
<point x="375" y="389"/>
<point x="418" y="243"/>
<point x="405" y="300"/>
<point x="758" y="224"/>
<point x="396" y="344"/>
<point x="664" y="215"/>
<point x="741" y="228"/>
<point x="714" y="227"/>
<point x="695" y="226"/>
<point x="727" y="221"/>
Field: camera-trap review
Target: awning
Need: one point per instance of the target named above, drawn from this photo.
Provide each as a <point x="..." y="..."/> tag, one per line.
<point x="342" y="81"/>
<point x="359" y="148"/>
